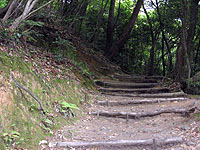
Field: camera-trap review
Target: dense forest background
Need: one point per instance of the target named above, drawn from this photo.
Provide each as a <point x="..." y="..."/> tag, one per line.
<point x="151" y="37"/>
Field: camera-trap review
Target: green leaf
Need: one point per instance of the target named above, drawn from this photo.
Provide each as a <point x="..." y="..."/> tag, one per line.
<point x="63" y="111"/>
<point x="48" y="121"/>
<point x="9" y="140"/>
<point x="5" y="134"/>
<point x="14" y="133"/>
<point x="65" y="105"/>
<point x="15" y="136"/>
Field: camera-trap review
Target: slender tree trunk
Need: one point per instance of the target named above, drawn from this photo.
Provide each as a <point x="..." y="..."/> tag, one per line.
<point x="76" y="16"/>
<point x="82" y="14"/>
<point x="94" y="36"/>
<point x="164" y="37"/>
<point x="5" y="9"/>
<point x="184" y="32"/>
<point x="151" y="61"/>
<point x="109" y="34"/>
<point x="29" y="5"/>
<point x="68" y="9"/>
<point x="116" y="46"/>
<point x="163" y="57"/>
<point x="118" y="14"/>
<point x="10" y="10"/>
<point x="196" y="56"/>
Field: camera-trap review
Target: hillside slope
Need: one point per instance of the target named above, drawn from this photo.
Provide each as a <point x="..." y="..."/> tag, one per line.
<point x="54" y="85"/>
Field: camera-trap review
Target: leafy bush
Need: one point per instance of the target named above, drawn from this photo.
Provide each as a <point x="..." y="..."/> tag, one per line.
<point x="193" y="84"/>
<point x="3" y="3"/>
<point x="67" y="109"/>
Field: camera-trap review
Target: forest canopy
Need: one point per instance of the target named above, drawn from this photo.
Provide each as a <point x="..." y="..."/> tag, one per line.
<point x="152" y="37"/>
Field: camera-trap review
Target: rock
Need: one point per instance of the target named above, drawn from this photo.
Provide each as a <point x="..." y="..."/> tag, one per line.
<point x="186" y="128"/>
<point x="191" y="143"/>
<point x="43" y="142"/>
<point x="104" y="129"/>
<point x="177" y="148"/>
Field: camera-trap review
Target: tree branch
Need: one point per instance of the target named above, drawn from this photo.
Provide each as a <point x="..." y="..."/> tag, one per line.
<point x="29" y="92"/>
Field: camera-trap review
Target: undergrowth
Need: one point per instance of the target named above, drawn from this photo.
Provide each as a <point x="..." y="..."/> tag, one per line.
<point x="22" y="123"/>
<point x="64" y="49"/>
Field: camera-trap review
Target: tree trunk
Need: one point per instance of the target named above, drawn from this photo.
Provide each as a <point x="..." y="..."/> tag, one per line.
<point x="29" y="5"/>
<point x="118" y="14"/>
<point x="163" y="57"/>
<point x="4" y="10"/>
<point x="10" y="10"/>
<point x="196" y="56"/>
<point x="164" y="38"/>
<point x="81" y="14"/>
<point x="76" y="15"/>
<point x="185" y="52"/>
<point x="109" y="34"/>
<point x="184" y="44"/>
<point x="116" y="46"/>
<point x="193" y="17"/>
<point x="94" y="36"/>
<point x="151" y="61"/>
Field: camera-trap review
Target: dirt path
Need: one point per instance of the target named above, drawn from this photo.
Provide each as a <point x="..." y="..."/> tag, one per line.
<point x="118" y="122"/>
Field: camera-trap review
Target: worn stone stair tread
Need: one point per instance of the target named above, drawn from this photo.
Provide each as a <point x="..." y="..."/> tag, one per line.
<point x="138" y="113"/>
<point x="125" y="84"/>
<point x="149" y="107"/>
<point x="135" y="90"/>
<point x="156" y="95"/>
<point x="137" y="80"/>
<point x="138" y="77"/>
<point x="117" y="143"/>
<point x="141" y="101"/>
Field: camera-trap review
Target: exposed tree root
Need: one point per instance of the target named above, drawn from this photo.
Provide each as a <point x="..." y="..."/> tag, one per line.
<point x="148" y="142"/>
<point x="133" y="115"/>
<point x="29" y="92"/>
<point x="142" y="101"/>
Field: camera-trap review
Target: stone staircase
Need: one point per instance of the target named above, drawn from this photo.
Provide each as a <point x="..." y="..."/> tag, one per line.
<point x="142" y="113"/>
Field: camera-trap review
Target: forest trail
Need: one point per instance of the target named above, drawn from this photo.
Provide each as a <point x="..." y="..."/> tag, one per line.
<point x="133" y="113"/>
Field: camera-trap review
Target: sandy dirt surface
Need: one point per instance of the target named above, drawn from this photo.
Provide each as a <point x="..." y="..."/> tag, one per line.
<point x="92" y="128"/>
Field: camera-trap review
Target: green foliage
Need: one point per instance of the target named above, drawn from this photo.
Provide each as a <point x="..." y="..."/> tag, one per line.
<point x="24" y="115"/>
<point x="6" y="36"/>
<point x="13" y="63"/>
<point x="12" y="137"/>
<point x="3" y="3"/>
<point x="33" y="107"/>
<point x="64" y="48"/>
<point x="26" y="29"/>
<point x="32" y="23"/>
<point x="193" y="85"/>
<point x="67" y="109"/>
<point x="84" y="69"/>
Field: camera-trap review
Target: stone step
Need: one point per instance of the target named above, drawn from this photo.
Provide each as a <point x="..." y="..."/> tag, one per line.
<point x="140" y="101"/>
<point x="138" y="80"/>
<point x="156" y="95"/>
<point x="130" y="78"/>
<point x="118" y="143"/>
<point x="139" y="113"/>
<point x="125" y="84"/>
<point x="136" y="91"/>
